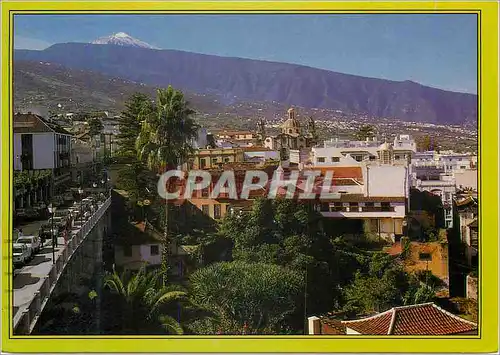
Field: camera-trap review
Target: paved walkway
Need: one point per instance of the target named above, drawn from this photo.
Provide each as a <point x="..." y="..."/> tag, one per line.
<point x="29" y="278"/>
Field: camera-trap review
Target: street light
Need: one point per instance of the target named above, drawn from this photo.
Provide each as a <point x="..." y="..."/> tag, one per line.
<point x="80" y="191"/>
<point x="51" y="211"/>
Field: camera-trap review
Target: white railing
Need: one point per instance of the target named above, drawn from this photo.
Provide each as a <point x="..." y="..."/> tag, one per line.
<point x="26" y="317"/>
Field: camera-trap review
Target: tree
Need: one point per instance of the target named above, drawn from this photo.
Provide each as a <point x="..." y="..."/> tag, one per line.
<point x="95" y="127"/>
<point x="427" y="143"/>
<point x="365" y="131"/>
<point x="136" y="107"/>
<point x="383" y="286"/>
<point x="249" y="298"/>
<point x="287" y="233"/>
<point x="165" y="141"/>
<point x="143" y="302"/>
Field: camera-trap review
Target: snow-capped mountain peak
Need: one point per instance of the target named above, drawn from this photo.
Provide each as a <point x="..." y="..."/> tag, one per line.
<point x="123" y="39"/>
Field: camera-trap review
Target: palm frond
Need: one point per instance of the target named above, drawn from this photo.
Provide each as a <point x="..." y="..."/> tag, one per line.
<point x="170" y="325"/>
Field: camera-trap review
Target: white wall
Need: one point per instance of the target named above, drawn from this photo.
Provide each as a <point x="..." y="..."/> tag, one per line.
<point x="43" y="151"/>
<point x="17" y="151"/>
<point x="466" y="178"/>
<point x="140" y="255"/>
<point x="386" y="180"/>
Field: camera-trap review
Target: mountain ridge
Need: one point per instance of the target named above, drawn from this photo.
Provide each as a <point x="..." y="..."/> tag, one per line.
<point x="234" y="79"/>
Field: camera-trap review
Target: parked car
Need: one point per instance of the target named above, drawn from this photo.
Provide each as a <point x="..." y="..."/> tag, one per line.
<point x="20" y="254"/>
<point x="20" y="213"/>
<point x="46" y="231"/>
<point x="68" y="197"/>
<point x="32" y="242"/>
<point x="32" y="214"/>
<point x="56" y="219"/>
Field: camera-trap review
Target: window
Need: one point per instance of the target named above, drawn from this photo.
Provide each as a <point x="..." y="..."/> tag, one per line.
<point x="358" y="157"/>
<point x="155" y="250"/>
<point x="321" y="159"/>
<point x="214" y="160"/>
<point x="205" y="209"/>
<point x="226" y="160"/>
<point x="217" y="211"/>
<point x="127" y="250"/>
<point x="425" y="256"/>
<point x="335" y="159"/>
<point x="386" y="206"/>
<point x="203" y="163"/>
<point x="353" y="205"/>
<point x="369" y="204"/>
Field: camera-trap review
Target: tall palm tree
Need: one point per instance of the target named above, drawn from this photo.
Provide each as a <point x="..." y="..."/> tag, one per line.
<point x="165" y="141"/>
<point x="143" y="298"/>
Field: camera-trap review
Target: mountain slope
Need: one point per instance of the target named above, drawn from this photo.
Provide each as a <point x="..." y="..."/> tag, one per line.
<point x="45" y="85"/>
<point x="235" y="79"/>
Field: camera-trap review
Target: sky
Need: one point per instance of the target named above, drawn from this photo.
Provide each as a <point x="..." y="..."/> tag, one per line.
<point x="437" y="50"/>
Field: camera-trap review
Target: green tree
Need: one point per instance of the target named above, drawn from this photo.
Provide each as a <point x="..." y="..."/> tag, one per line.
<point x="165" y="141"/>
<point x="289" y="234"/>
<point x="144" y="301"/>
<point x="251" y="298"/>
<point x="95" y="127"/>
<point x="137" y="107"/>
<point x="365" y="131"/>
<point x="384" y="285"/>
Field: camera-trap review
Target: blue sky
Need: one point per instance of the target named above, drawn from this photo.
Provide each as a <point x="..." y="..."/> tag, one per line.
<point x="436" y="50"/>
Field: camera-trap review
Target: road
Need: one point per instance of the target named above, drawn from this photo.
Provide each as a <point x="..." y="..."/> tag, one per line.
<point x="29" y="278"/>
<point x="30" y="228"/>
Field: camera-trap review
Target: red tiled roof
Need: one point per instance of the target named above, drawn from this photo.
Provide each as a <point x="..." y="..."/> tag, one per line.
<point x="375" y="325"/>
<point x="353" y="172"/>
<point x="31" y="123"/>
<point x="420" y="319"/>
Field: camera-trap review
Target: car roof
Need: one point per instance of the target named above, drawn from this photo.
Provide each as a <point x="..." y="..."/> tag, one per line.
<point x="18" y="245"/>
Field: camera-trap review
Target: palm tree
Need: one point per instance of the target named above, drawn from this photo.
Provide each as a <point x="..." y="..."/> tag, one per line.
<point x="165" y="141"/>
<point x="144" y="297"/>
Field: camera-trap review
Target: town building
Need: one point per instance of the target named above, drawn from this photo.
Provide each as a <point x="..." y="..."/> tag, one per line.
<point x="400" y="151"/>
<point x="292" y="135"/>
<point x="434" y="180"/>
<point x="467" y="210"/>
<point x="213" y="158"/>
<point x="376" y="195"/>
<point x="422" y="257"/>
<point x="236" y="138"/>
<point x="424" y="319"/>
<point x="39" y="146"/>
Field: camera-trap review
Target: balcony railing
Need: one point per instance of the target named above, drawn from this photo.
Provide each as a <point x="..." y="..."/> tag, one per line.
<point x="357" y="209"/>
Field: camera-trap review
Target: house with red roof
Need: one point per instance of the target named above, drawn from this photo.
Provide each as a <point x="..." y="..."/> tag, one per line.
<point x="424" y="319"/>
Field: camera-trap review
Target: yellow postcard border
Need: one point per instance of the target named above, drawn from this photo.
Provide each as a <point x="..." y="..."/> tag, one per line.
<point x="486" y="341"/>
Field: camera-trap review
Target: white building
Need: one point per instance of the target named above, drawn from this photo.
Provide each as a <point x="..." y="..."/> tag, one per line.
<point x="375" y="194"/>
<point x="400" y="150"/>
<point x="40" y="144"/>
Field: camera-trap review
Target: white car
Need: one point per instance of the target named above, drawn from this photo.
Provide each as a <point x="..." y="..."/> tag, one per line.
<point x="20" y="254"/>
<point x="32" y="242"/>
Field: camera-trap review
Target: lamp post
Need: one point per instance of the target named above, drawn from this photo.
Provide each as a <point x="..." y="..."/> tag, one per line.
<point x="51" y="211"/>
<point x="80" y="191"/>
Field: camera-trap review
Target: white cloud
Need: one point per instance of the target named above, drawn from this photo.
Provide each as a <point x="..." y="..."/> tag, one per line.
<point x="21" y="42"/>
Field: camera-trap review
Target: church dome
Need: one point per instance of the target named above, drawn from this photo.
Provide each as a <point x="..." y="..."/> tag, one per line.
<point x="291" y="123"/>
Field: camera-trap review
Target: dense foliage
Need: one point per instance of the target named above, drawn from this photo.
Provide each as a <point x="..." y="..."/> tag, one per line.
<point x="143" y="303"/>
<point x="248" y="298"/>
